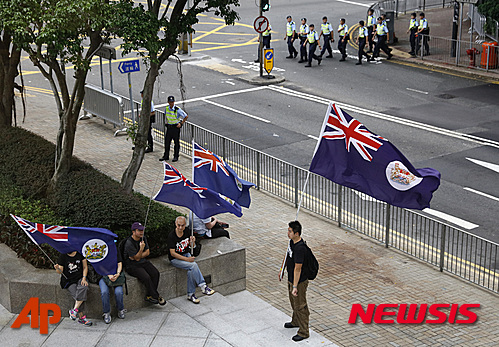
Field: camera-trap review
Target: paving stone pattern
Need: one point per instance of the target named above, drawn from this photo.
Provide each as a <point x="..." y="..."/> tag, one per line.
<point x="354" y="269"/>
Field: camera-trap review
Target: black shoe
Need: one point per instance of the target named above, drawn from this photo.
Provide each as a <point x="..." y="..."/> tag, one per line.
<point x="289" y="57"/>
<point x="164" y="159"/>
<point x="148" y="150"/>
<point x="308" y="65"/>
<point x="389" y="56"/>
<point x="257" y="61"/>
<point x="319" y="61"/>
<point x="411" y="52"/>
<point x="298" y="338"/>
<point x="301" y="61"/>
<point x="296" y="53"/>
<point x="329" y="56"/>
<point x="342" y="59"/>
<point x="161" y="301"/>
<point x="359" y="63"/>
<point x="133" y="148"/>
<point x="151" y="300"/>
<point x="174" y="159"/>
<point x="289" y="325"/>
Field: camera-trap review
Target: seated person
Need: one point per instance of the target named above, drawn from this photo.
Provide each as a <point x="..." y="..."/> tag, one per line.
<point x="136" y="264"/>
<point x="105" y="285"/>
<point x="179" y="242"/>
<point x="73" y="267"/>
<point x="209" y="228"/>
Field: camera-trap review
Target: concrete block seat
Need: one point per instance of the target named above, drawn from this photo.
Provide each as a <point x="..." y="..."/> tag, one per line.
<point x="222" y="262"/>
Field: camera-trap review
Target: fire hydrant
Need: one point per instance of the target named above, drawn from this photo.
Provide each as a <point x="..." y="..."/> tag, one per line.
<point x="472" y="53"/>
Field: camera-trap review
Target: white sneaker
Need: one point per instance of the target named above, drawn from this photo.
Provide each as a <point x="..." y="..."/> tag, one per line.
<point x="107" y="317"/>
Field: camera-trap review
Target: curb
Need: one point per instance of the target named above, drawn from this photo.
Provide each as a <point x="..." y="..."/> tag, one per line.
<point x="261" y="81"/>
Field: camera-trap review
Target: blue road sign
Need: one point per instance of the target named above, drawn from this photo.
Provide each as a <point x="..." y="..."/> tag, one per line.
<point x="269" y="55"/>
<point x="129" y="66"/>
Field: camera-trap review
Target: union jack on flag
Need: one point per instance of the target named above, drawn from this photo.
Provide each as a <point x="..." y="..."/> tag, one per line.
<point x="173" y="176"/>
<point x="56" y="233"/>
<point x="353" y="132"/>
<point x="203" y="157"/>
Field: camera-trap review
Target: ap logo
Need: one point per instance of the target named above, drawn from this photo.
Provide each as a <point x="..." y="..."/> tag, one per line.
<point x="39" y="315"/>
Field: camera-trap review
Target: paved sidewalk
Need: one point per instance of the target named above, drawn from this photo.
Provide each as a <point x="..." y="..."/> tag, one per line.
<point x="353" y="269"/>
<point x="240" y="319"/>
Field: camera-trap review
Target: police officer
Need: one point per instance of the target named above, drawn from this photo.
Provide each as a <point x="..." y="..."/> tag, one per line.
<point x="342" y="43"/>
<point x="175" y="118"/>
<point x="152" y="115"/>
<point x="382" y="35"/>
<point x="313" y="41"/>
<point x="413" y="29"/>
<point x="327" y="31"/>
<point x="303" y="37"/>
<point x="290" y="37"/>
<point x="361" y="41"/>
<point x="371" y="23"/>
<point x="266" y="37"/>
<point x="423" y="32"/>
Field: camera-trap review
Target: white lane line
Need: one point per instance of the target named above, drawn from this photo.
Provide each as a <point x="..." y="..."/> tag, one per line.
<point x="202" y="98"/>
<point x="481" y="193"/>
<point x="313" y="137"/>
<point x="417" y="91"/>
<point x="454" y="220"/>
<point x="236" y="111"/>
<point x="231" y="83"/>
<point x="407" y="122"/>
<point x="493" y="167"/>
<point x="354" y="3"/>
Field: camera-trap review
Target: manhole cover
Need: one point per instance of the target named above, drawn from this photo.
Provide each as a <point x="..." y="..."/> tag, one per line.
<point x="446" y="96"/>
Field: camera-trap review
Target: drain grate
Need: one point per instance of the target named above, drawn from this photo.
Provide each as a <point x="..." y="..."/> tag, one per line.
<point x="446" y="96"/>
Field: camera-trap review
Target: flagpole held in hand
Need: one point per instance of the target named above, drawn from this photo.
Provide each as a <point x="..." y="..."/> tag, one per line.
<point x="191" y="214"/>
<point x="302" y="193"/>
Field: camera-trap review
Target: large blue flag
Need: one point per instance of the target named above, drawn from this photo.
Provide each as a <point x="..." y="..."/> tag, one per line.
<point x="212" y="172"/>
<point x="95" y="244"/>
<point x="204" y="202"/>
<point x="352" y="156"/>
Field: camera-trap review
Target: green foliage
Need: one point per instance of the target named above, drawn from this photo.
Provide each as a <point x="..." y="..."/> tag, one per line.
<point x="490" y="9"/>
<point x="85" y="197"/>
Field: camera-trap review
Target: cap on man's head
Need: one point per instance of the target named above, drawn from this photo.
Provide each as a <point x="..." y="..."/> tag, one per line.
<point x="288" y="17"/>
<point x="171" y="98"/>
<point x="141" y="92"/>
<point x="137" y="225"/>
<point x="421" y="14"/>
<point x="361" y="22"/>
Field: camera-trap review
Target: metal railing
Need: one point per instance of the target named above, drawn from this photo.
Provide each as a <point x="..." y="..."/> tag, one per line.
<point x="477" y="23"/>
<point x="451" y="249"/>
<point x="105" y="105"/>
<point x="462" y="53"/>
<point x="404" y="6"/>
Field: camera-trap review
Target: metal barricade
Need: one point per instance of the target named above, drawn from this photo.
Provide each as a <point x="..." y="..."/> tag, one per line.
<point x="105" y="105"/>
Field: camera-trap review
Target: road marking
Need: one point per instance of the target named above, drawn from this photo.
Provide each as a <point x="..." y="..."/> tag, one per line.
<point x="354" y="3"/>
<point x="231" y="83"/>
<point x="454" y="220"/>
<point x="481" y="193"/>
<point x="471" y="138"/>
<point x="236" y="111"/>
<point x="313" y="137"/>
<point x="202" y="98"/>
<point x="493" y="167"/>
<point x="417" y="91"/>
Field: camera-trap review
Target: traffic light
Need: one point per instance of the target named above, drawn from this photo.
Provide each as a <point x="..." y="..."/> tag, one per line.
<point x="265" y="5"/>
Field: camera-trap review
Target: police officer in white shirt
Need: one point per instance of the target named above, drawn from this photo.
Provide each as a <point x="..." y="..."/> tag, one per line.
<point x="342" y="43"/>
<point x="327" y="31"/>
<point x="361" y="41"/>
<point x="290" y="37"/>
<point x="303" y="37"/>
<point x="313" y="41"/>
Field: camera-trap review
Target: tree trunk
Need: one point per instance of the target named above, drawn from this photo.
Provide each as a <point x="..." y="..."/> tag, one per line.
<point x="9" y="61"/>
<point x="68" y="123"/>
<point x="130" y="174"/>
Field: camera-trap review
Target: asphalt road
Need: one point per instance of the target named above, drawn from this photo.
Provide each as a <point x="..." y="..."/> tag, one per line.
<point x="424" y="113"/>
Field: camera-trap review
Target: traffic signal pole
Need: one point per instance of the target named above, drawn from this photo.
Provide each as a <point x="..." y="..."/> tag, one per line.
<point x="260" y="45"/>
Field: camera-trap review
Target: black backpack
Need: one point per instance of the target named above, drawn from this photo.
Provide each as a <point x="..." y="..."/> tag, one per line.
<point x="310" y="264"/>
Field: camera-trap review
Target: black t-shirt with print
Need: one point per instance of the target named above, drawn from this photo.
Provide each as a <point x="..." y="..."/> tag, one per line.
<point x="179" y="244"/>
<point x="73" y="268"/>
<point x="296" y="255"/>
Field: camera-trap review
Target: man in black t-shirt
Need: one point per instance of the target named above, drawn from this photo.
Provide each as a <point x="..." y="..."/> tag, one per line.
<point x="136" y="264"/>
<point x="297" y="282"/>
<point x="179" y="242"/>
<point x="73" y="269"/>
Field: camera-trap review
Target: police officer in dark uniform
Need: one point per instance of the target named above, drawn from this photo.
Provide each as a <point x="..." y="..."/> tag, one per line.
<point x="175" y="117"/>
<point x="371" y="23"/>
<point x="361" y="41"/>
<point x="303" y="37"/>
<point x="266" y="37"/>
<point x="413" y="29"/>
<point x="290" y="37"/>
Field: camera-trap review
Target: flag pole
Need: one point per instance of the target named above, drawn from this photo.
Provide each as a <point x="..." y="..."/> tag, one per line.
<point x="191" y="214"/>
<point x="316" y="147"/>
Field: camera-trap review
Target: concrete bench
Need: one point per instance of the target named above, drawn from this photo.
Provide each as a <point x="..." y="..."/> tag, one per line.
<point x="222" y="262"/>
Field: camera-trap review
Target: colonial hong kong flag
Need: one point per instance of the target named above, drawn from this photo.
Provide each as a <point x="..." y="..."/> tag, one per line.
<point x="212" y="172"/>
<point x="352" y="156"/>
<point x="204" y="202"/>
<point x="95" y="244"/>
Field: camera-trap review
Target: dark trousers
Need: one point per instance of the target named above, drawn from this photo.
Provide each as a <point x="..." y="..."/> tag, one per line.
<point x="412" y="40"/>
<point x="147" y="273"/>
<point x="265" y="43"/>
<point x="381" y="45"/>
<point x="218" y="231"/>
<point x="299" y="305"/>
<point x="362" y="44"/>
<point x="311" y="52"/>
<point x="342" y="47"/>
<point x="370" y="37"/>
<point x="303" y="50"/>
<point x="327" y="45"/>
<point x="423" y="36"/>
<point x="172" y="133"/>
<point x="291" y="47"/>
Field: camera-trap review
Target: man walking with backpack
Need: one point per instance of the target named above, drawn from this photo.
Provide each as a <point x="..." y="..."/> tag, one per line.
<point x="297" y="281"/>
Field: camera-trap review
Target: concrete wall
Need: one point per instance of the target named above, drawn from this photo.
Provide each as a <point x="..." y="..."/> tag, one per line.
<point x="221" y="259"/>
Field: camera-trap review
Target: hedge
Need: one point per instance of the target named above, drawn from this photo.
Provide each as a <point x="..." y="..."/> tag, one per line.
<point x="86" y="197"/>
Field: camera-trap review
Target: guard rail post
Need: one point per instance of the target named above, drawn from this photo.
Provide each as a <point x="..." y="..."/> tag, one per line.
<point x="340" y="204"/>
<point x="258" y="170"/>
<point x="223" y="149"/>
<point x="442" y="247"/>
<point x="296" y="186"/>
<point x="387" y="225"/>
